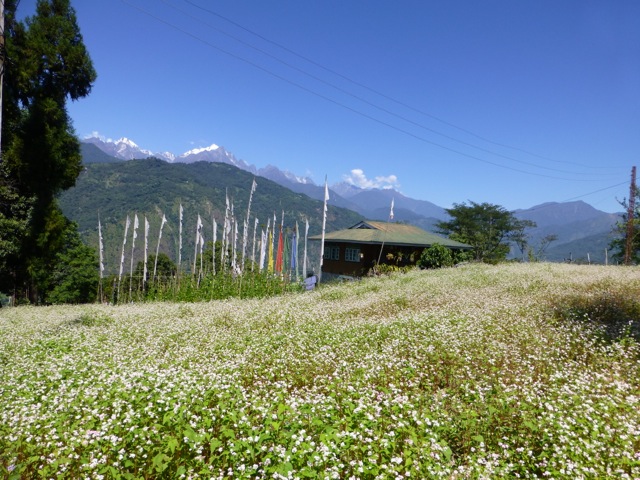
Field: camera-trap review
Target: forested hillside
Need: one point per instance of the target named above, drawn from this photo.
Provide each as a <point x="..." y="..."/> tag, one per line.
<point x="152" y="187"/>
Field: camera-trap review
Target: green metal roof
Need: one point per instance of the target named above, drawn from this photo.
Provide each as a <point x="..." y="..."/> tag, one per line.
<point x="374" y="232"/>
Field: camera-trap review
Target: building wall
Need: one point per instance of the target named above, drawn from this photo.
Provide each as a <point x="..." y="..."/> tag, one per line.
<point x="369" y="255"/>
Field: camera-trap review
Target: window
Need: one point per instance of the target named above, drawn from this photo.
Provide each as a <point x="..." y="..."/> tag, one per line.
<point x="332" y="253"/>
<point x="352" y="254"/>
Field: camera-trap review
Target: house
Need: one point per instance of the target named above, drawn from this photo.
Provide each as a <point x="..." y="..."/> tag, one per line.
<point x="355" y="250"/>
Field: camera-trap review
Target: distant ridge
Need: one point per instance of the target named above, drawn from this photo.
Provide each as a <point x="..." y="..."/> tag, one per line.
<point x="579" y="227"/>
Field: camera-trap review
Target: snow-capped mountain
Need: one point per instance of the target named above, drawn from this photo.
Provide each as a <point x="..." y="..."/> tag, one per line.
<point x="346" y="190"/>
<point x="283" y="176"/>
<point x="126" y="149"/>
<point x="123" y="148"/>
<point x="214" y="153"/>
<point x="368" y="202"/>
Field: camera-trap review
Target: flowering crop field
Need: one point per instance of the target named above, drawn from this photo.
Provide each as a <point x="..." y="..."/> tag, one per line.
<point x="516" y="371"/>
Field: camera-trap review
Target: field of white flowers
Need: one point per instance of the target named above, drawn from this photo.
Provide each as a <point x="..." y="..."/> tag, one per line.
<point x="516" y="371"/>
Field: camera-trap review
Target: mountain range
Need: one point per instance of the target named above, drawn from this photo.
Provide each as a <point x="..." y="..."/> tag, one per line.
<point x="581" y="231"/>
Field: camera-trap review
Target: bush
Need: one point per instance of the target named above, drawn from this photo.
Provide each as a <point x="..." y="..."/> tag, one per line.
<point x="436" y="256"/>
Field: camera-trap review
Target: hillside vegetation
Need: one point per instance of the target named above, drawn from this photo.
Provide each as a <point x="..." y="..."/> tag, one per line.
<point x="516" y="370"/>
<point x="154" y="187"/>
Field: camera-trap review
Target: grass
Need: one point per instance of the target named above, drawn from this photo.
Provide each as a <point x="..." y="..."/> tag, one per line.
<point x="515" y="371"/>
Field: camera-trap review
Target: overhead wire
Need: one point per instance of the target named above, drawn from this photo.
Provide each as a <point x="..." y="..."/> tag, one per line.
<point x="361" y="99"/>
<point x="381" y="94"/>
<point x="347" y="107"/>
<point x="360" y="113"/>
<point x="540" y="207"/>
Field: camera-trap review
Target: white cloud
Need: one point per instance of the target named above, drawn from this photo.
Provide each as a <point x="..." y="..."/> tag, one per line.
<point x="96" y="134"/>
<point x="359" y="179"/>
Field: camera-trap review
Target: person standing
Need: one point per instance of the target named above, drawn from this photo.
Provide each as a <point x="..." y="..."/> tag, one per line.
<point x="311" y="281"/>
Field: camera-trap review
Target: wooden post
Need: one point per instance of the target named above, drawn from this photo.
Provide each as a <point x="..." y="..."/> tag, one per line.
<point x="630" y="218"/>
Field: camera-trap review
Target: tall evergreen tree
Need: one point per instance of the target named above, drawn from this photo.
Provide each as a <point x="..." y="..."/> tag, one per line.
<point x="46" y="65"/>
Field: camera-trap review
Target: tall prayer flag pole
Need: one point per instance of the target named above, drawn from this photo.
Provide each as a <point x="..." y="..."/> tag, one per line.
<point x="136" y="224"/>
<point x="304" y="258"/>
<point x="101" y="245"/>
<point x="155" y="263"/>
<point x="195" y="252"/>
<point x="180" y="240"/>
<point x="324" y="224"/>
<point x="146" y="250"/>
<point x="124" y="243"/>
<point x="213" y="247"/>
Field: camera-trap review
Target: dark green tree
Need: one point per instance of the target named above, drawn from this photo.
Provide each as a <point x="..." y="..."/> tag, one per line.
<point x="484" y="226"/>
<point x="75" y="275"/>
<point x="618" y="245"/>
<point x="46" y="64"/>
<point x="165" y="268"/>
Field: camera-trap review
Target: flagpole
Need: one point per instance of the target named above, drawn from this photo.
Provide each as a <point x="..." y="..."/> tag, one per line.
<point x="280" y="249"/>
<point x="246" y="223"/>
<point x="225" y="231"/>
<point x="155" y="263"/>
<point x="146" y="252"/>
<point x="385" y="232"/>
<point x="136" y="223"/>
<point x="271" y="234"/>
<point x="124" y="243"/>
<point x="324" y="224"/>
<point x="195" y="252"/>
<point x="304" y="258"/>
<point x="201" y="250"/>
<point x="213" y="248"/>
<point x="297" y="242"/>
<point x="180" y="243"/>
<point x="100" y="287"/>
<point x="253" y="248"/>
<point x="263" y="249"/>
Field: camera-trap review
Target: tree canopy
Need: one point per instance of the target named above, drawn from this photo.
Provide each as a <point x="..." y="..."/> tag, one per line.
<point x="486" y="227"/>
<point x="46" y="64"/>
<point x="619" y="244"/>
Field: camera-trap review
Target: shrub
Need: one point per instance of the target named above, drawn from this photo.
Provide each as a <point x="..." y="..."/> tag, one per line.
<point x="436" y="256"/>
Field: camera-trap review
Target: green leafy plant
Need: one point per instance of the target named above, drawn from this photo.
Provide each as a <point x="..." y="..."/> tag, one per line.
<point x="436" y="256"/>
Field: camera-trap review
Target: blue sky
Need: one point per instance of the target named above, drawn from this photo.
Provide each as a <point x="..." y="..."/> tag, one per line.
<point x="508" y="102"/>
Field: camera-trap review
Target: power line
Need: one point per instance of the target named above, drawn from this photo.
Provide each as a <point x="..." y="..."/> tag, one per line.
<point x="541" y="207"/>
<point x="596" y="191"/>
<point x="346" y="107"/>
<point x="377" y="92"/>
<point x="357" y="97"/>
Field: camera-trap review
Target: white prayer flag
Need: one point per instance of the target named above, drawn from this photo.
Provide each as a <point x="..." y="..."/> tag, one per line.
<point x="253" y="189"/>
<point x="136" y="224"/>
<point x="213" y="247"/>
<point x="155" y="263"/>
<point x="253" y="248"/>
<point x="146" y="248"/>
<point x="324" y="224"/>
<point x="304" y="260"/>
<point x="180" y="239"/>
<point x="195" y="252"/>
<point x="263" y="250"/>
<point x="101" y="248"/>
<point x="124" y="243"/>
